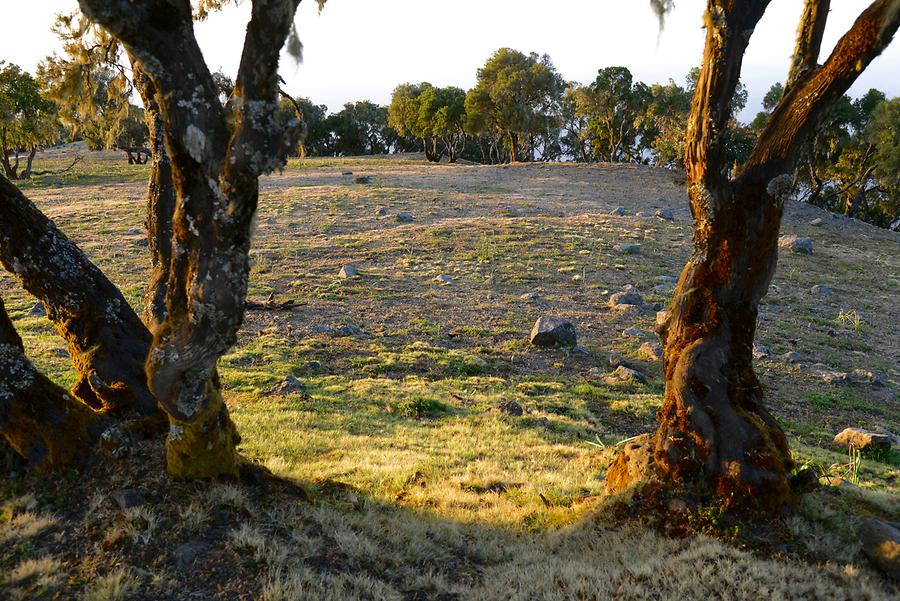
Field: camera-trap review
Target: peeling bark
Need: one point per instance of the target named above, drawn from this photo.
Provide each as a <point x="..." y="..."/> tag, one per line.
<point x="107" y="342"/>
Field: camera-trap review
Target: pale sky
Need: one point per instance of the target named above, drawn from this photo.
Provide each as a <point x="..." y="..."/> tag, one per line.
<point x="361" y="49"/>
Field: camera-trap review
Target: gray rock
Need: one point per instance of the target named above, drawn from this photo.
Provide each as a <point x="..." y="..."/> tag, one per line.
<point x="346" y="173"/>
<point x="287" y="386"/>
<point x="792" y="357"/>
<point x="862" y="440"/>
<point x="895" y="440"/>
<point x="760" y="351"/>
<point x="313" y="365"/>
<point x="349" y="271"/>
<point x="405" y="218"/>
<point x="322" y="329"/>
<point x="349" y="329"/>
<point x="895" y="225"/>
<point x="627" y="297"/>
<point x="881" y="544"/>
<point x="821" y="289"/>
<point x="796" y="244"/>
<point x="381" y="211"/>
<point x="666" y="214"/>
<point x="580" y="350"/>
<point x="619" y="211"/>
<point x="186" y="554"/>
<point x="627" y="375"/>
<point x="135" y="232"/>
<point x="363" y="179"/>
<point x="644" y="214"/>
<point x="628" y="249"/>
<point x="615" y="360"/>
<point x="817" y="222"/>
<point x="127" y="498"/>
<point x="666" y="279"/>
<point x="543" y="422"/>
<point x="663" y="288"/>
<point x="661" y="317"/>
<point x="37" y="310"/>
<point x="835" y="378"/>
<point x="511" y="408"/>
<point x="530" y="296"/>
<point x="864" y="376"/>
<point x="443" y="280"/>
<point x="632" y="333"/>
<point x="551" y="331"/>
<point x="651" y="351"/>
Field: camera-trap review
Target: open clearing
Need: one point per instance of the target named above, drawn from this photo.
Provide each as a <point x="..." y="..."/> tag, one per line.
<point x="420" y="485"/>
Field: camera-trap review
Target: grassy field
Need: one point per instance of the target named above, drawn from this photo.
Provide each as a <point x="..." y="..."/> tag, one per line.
<point x="421" y="486"/>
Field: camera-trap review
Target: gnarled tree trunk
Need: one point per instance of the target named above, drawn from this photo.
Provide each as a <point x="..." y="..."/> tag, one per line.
<point x="215" y="173"/>
<point x="107" y="342"/>
<point x="715" y="433"/>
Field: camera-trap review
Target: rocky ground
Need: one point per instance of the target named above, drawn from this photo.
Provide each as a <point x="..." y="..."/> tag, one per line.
<point x="439" y="454"/>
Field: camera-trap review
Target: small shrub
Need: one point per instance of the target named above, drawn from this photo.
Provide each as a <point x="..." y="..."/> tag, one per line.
<point x="418" y="407"/>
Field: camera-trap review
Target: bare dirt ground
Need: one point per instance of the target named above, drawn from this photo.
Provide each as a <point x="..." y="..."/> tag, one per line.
<point x="419" y="484"/>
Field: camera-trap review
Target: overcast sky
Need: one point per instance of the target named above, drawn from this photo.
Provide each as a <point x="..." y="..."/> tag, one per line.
<point x="361" y="49"/>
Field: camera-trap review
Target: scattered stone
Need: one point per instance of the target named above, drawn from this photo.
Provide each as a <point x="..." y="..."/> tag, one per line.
<point x="895" y="225"/>
<point x="511" y="408"/>
<point x="760" y="351"/>
<point x="443" y="280"/>
<point x="349" y="329"/>
<point x="835" y="378"/>
<point x="552" y="332"/>
<point x="135" y="232"/>
<point x="346" y="173"/>
<point x="881" y="544"/>
<point x="287" y="386"/>
<point x="792" y="357"/>
<point x="632" y="333"/>
<point x="796" y="244"/>
<point x="577" y="277"/>
<point x="322" y="329"/>
<point x="349" y="271"/>
<point x="619" y="211"/>
<point x="666" y="214"/>
<point x="615" y="360"/>
<point x="651" y="351"/>
<point x="381" y="211"/>
<point x="862" y="440"/>
<point x="864" y="376"/>
<point x="821" y="289"/>
<point x="628" y="249"/>
<point x="508" y="212"/>
<point x="817" y="222"/>
<point x="661" y="317"/>
<point x="38" y="310"/>
<point x="543" y="422"/>
<point x="580" y="350"/>
<point x="632" y="466"/>
<point x="313" y="365"/>
<point x="666" y="279"/>
<point x="363" y="179"/>
<point x="405" y="218"/>
<point x="530" y="296"/>
<point x="663" y="288"/>
<point x="895" y="440"/>
<point x="626" y="297"/>
<point x="644" y="214"/>
<point x="128" y="498"/>
<point x="186" y="553"/>
<point x="624" y="374"/>
<point x="804" y="481"/>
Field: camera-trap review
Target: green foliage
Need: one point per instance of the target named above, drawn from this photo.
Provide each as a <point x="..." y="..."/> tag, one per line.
<point x="27" y="119"/>
<point x="90" y="87"/>
<point x="516" y="96"/>
<point x="360" y="128"/>
<point x="419" y="407"/>
<point x="435" y="116"/>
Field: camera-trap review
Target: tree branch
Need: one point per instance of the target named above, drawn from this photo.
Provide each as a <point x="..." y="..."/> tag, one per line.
<point x="809" y="39"/>
<point x="801" y="108"/>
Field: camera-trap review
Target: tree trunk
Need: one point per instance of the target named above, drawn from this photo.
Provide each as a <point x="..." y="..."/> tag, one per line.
<point x="215" y="170"/>
<point x="513" y="147"/>
<point x="39" y="419"/>
<point x="715" y="435"/>
<point x="107" y="342"/>
<point x="27" y="173"/>
<point x="160" y="206"/>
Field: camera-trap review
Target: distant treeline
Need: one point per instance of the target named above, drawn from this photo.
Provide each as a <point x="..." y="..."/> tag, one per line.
<point x="521" y="109"/>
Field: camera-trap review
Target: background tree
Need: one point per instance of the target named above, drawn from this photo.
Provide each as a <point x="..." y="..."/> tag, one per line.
<point x="27" y="120"/>
<point x="360" y="128"/>
<point x="405" y="119"/>
<point x="612" y="104"/>
<point x="663" y="122"/>
<point x="516" y="95"/>
<point x="715" y="433"/>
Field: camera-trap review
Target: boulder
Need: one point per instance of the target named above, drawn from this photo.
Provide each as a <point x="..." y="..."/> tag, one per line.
<point x="796" y="244"/>
<point x="349" y="271"/>
<point x="511" y="408"/>
<point x="881" y="544"/>
<point x="628" y="249"/>
<point x="666" y="214"/>
<point x="551" y="331"/>
<point x="862" y="440"/>
<point x="619" y="211"/>
<point x="651" y="351"/>
<point x="626" y="297"/>
<point x="443" y="280"/>
<point x="128" y="498"/>
<point x="404" y="218"/>
<point x="632" y="466"/>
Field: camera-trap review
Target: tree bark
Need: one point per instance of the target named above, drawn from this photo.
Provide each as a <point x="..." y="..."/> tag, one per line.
<point x="215" y="173"/>
<point x="107" y="342"/>
<point x="39" y="419"/>
<point x="715" y="434"/>
<point x="160" y="205"/>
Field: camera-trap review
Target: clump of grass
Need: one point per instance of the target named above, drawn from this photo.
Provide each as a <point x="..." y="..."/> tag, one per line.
<point x="850" y="318"/>
<point x="418" y="407"/>
<point x="117" y="585"/>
